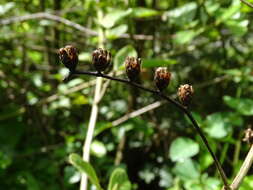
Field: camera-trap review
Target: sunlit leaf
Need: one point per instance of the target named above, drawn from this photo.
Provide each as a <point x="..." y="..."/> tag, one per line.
<point x="183" y="148"/>
<point x="119" y="180"/>
<point x="243" y="105"/>
<point x="186" y="169"/>
<point x="86" y="168"/>
<point x="158" y="62"/>
<point x="98" y="149"/>
<point x="122" y="54"/>
<point x="113" y="17"/>
<point x="141" y="12"/>
<point x="115" y="32"/>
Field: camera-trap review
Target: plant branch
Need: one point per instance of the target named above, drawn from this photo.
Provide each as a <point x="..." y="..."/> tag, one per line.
<point x="247" y="3"/>
<point x="48" y="16"/>
<point x="243" y="170"/>
<point x="175" y="103"/>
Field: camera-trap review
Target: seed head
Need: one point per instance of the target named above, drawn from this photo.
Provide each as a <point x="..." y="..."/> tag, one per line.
<point x="69" y="57"/>
<point x="101" y="59"/>
<point x="162" y="78"/>
<point x="133" y="67"/>
<point x="185" y="94"/>
<point x="248" y="136"/>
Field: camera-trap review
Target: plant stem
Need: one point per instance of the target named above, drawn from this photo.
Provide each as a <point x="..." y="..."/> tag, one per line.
<point x="243" y="170"/>
<point x="94" y="110"/>
<point x="91" y="127"/>
<point x="178" y="105"/>
<point x="247" y="3"/>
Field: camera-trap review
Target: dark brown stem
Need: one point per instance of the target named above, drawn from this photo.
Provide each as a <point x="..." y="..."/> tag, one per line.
<point x="174" y="102"/>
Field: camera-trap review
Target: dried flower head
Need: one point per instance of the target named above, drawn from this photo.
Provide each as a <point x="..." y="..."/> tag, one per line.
<point x="248" y="136"/>
<point x="101" y="59"/>
<point x="133" y="67"/>
<point x="69" y="57"/>
<point x="162" y="78"/>
<point x="185" y="93"/>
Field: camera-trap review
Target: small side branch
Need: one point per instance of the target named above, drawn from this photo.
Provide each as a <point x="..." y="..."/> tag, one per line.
<point x="243" y="170"/>
<point x="174" y="102"/>
<point x="247" y="3"/>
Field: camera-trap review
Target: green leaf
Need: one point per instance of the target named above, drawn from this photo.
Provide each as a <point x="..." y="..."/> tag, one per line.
<point x="86" y="168"/>
<point x="229" y="12"/>
<point x="141" y="12"/>
<point x="242" y="105"/>
<point x="183" y="148"/>
<point x="98" y="149"/>
<point x="158" y="62"/>
<point x="119" y="180"/>
<point x="32" y="183"/>
<point x="216" y="127"/>
<point x="85" y="56"/>
<point x="186" y="170"/>
<point x="183" y="37"/>
<point x="115" y="32"/>
<point x="6" y="7"/>
<point x="113" y="17"/>
<point x="183" y="15"/>
<point x="122" y="54"/>
<point x="238" y="28"/>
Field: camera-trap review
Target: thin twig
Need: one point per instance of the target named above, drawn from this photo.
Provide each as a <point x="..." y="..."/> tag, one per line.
<point x="137" y="113"/>
<point x="48" y="16"/>
<point x="247" y="3"/>
<point x="243" y="170"/>
<point x="178" y="105"/>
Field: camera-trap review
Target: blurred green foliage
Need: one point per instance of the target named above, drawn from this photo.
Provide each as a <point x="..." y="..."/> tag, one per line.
<point x="206" y="43"/>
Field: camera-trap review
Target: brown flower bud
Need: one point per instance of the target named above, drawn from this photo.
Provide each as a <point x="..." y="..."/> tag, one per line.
<point x="133" y="67"/>
<point x="69" y="57"/>
<point x="248" y="136"/>
<point x="101" y="59"/>
<point x="162" y="78"/>
<point x="185" y="93"/>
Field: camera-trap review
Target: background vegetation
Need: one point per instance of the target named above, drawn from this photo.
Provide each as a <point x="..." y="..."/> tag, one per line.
<point x="206" y="43"/>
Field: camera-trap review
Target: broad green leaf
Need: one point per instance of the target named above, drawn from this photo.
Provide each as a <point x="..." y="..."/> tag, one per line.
<point x="183" y="148"/>
<point x="243" y="105"/>
<point x="158" y="62"/>
<point x="98" y="148"/>
<point x="113" y="17"/>
<point x="6" y="7"/>
<point x="205" y="161"/>
<point x="212" y="183"/>
<point x="183" y="15"/>
<point x="238" y="28"/>
<point x="85" y="56"/>
<point x="229" y="12"/>
<point x="219" y="124"/>
<point x="216" y="126"/>
<point x="141" y="12"/>
<point x="187" y="169"/>
<point x="86" y="168"/>
<point x="122" y="54"/>
<point x="115" y="32"/>
<point x="80" y="100"/>
<point x="119" y="180"/>
<point x="186" y="36"/>
<point x="211" y="6"/>
<point x="32" y="183"/>
<point x="166" y="179"/>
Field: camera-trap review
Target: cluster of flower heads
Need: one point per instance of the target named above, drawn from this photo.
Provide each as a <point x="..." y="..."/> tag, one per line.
<point x="101" y="59"/>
